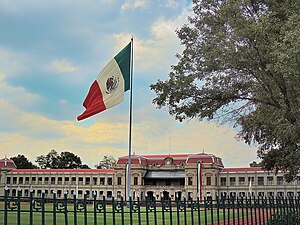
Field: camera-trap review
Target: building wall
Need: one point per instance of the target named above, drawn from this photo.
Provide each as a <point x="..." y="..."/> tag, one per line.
<point x="216" y="180"/>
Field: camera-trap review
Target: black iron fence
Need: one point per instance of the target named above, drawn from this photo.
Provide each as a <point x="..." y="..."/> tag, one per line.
<point x="17" y="210"/>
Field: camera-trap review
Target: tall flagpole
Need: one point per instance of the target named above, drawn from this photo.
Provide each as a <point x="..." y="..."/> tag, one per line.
<point x="128" y="175"/>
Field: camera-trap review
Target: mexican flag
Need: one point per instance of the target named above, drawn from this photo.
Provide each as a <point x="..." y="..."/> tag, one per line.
<point x="109" y="87"/>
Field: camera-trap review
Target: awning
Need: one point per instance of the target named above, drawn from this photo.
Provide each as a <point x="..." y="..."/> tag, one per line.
<point x="165" y="174"/>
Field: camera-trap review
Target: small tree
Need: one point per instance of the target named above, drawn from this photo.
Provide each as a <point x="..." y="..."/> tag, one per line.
<point x="64" y="160"/>
<point x="22" y="162"/>
<point x="108" y="162"/>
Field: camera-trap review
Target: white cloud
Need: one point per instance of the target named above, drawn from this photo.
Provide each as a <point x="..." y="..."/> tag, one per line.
<point x="134" y="4"/>
<point x="172" y="4"/>
<point x="159" y="51"/>
<point x="12" y="63"/>
<point x="17" y="95"/>
<point x="63" y="66"/>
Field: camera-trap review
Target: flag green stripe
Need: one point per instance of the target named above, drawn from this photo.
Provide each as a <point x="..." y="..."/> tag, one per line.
<point x="123" y="60"/>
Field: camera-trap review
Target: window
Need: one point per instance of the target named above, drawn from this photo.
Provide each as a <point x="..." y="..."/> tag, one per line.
<point x="80" y="180"/>
<point x="52" y="180"/>
<point x="232" y="181"/>
<point x="8" y="180"/>
<point x="119" y="182"/>
<point x="208" y="181"/>
<point x="260" y="181"/>
<point x="33" y="180"/>
<point x="270" y="180"/>
<point x="252" y="180"/>
<point x="223" y="181"/>
<point x="270" y="194"/>
<point x="46" y="180"/>
<point x="109" y="181"/>
<point x="26" y="192"/>
<point x="59" y="181"/>
<point x="290" y="194"/>
<point x="20" y="180"/>
<point x="241" y="181"/>
<point x="102" y="180"/>
<point x="14" y="180"/>
<point x="181" y="182"/>
<point x="109" y="194"/>
<point x="40" y="180"/>
<point x="95" y="179"/>
<point x="66" y="180"/>
<point x="190" y="180"/>
<point x="135" y="181"/>
<point x="26" y="180"/>
<point x="87" y="180"/>
<point x="280" y="180"/>
<point x="168" y="183"/>
<point x="261" y="194"/>
<point x="73" y="180"/>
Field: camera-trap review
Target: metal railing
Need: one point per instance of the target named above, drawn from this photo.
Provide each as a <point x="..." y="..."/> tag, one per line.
<point x="151" y="211"/>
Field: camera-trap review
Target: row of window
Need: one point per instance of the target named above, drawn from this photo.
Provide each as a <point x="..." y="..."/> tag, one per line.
<point x="59" y="180"/>
<point x="260" y="194"/>
<point x="261" y="181"/>
<point x="59" y="193"/>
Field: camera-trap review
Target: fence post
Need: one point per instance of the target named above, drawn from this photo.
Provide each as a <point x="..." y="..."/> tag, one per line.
<point x="75" y="208"/>
<point x="170" y="204"/>
<point x="31" y="206"/>
<point x="122" y="209"/>
<point x="19" y="206"/>
<point x="54" y="207"/>
<point x="198" y="208"/>
<point x="177" y="208"/>
<point x="130" y="210"/>
<point x="162" y="209"/>
<point x="5" y="204"/>
<point x="43" y="208"/>
<point x="147" y="208"/>
<point x="139" y="210"/>
<point x="66" y="206"/>
<point x="113" y="210"/>
<point x="192" y="210"/>
<point x="95" y="207"/>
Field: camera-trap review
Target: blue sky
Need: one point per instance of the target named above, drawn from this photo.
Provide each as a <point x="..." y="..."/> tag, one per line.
<point x="51" y="52"/>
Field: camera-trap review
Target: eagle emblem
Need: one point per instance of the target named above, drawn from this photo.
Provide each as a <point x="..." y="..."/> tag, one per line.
<point x="112" y="84"/>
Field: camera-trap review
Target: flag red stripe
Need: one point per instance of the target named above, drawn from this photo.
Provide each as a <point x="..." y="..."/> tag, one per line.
<point x="93" y="102"/>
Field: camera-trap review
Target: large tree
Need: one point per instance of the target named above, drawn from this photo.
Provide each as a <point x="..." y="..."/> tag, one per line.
<point x="64" y="160"/>
<point x="22" y="162"/>
<point x="241" y="64"/>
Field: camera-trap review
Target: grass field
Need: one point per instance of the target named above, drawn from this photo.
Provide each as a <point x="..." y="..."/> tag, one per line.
<point x="160" y="218"/>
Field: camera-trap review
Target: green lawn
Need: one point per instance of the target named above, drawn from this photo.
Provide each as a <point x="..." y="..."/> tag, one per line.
<point x="162" y="218"/>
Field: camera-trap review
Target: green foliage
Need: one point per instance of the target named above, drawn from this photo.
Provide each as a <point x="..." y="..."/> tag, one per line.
<point x="255" y="164"/>
<point x="66" y="160"/>
<point x="108" y="162"/>
<point x="22" y="162"/>
<point x="241" y="64"/>
<point x="289" y="218"/>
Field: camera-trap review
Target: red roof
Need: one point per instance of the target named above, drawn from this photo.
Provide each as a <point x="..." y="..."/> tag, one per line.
<point x="62" y="171"/>
<point x="177" y="159"/>
<point x="7" y="163"/>
<point x="247" y="169"/>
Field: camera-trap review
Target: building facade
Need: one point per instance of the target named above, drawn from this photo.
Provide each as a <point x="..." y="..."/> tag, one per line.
<point x="170" y="176"/>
